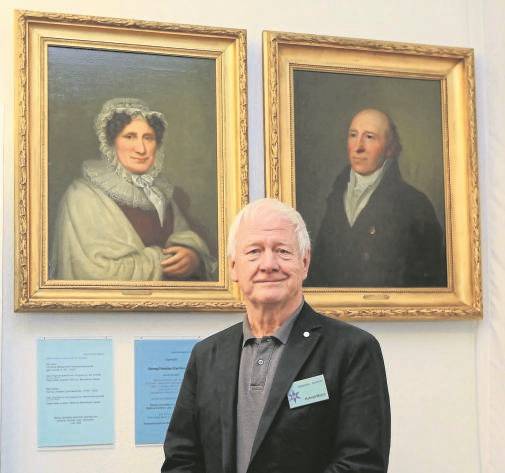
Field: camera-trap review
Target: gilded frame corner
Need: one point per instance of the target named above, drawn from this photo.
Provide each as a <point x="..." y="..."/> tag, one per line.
<point x="453" y="69"/>
<point x="35" y="32"/>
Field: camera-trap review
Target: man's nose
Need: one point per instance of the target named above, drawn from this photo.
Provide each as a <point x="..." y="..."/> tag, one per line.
<point x="360" y="144"/>
<point x="269" y="261"/>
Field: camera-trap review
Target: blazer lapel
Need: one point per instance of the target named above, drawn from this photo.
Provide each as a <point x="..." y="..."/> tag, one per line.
<point x="296" y="351"/>
<point x="229" y="355"/>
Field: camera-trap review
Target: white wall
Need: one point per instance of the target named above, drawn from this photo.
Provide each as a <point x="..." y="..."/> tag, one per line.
<point x="431" y="365"/>
<point x="491" y="335"/>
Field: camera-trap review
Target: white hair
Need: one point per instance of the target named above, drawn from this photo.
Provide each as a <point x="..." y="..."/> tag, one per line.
<point x="272" y="205"/>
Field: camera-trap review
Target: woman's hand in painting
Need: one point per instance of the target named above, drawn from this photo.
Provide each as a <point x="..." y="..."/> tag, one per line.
<point x="181" y="262"/>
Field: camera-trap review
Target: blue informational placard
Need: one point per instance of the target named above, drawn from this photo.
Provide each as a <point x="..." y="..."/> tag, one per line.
<point x="159" y="370"/>
<point x="75" y="393"/>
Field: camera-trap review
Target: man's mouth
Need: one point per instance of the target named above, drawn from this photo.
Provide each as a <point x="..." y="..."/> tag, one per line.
<point x="269" y="281"/>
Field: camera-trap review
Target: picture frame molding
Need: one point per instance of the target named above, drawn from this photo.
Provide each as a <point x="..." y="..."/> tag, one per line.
<point x="454" y="67"/>
<point x="34" y="31"/>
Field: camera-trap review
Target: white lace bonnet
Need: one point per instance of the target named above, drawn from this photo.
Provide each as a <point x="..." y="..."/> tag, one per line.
<point x="135" y="108"/>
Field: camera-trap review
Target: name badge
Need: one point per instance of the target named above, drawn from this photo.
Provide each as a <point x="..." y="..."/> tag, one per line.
<point x="307" y="391"/>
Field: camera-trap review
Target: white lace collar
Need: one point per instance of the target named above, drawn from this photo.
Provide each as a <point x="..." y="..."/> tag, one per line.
<point x="117" y="183"/>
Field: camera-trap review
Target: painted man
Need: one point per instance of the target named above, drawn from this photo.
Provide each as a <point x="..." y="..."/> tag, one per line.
<point x="378" y="231"/>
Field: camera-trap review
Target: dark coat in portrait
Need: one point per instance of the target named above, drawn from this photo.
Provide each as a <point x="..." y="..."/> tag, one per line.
<point x="350" y="431"/>
<point x="396" y="241"/>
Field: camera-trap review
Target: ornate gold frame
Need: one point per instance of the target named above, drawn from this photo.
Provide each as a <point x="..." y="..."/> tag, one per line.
<point x="34" y="32"/>
<point x="454" y="68"/>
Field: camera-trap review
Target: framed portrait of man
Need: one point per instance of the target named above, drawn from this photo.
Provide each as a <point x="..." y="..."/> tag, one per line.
<point x="132" y="159"/>
<point x="374" y="143"/>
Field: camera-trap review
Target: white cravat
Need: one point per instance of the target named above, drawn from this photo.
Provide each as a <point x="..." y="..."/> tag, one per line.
<point x="359" y="190"/>
<point x="155" y="196"/>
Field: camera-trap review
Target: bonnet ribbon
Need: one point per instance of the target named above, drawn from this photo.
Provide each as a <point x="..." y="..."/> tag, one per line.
<point x="154" y="195"/>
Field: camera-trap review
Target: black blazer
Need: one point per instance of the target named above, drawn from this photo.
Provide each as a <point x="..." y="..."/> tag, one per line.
<point x="349" y="432"/>
<point x="396" y="240"/>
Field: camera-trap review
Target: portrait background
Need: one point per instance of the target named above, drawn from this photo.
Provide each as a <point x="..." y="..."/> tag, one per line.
<point x="182" y="88"/>
<point x="324" y="104"/>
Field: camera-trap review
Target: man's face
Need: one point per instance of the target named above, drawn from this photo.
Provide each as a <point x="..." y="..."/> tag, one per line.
<point x="367" y="140"/>
<point x="267" y="263"/>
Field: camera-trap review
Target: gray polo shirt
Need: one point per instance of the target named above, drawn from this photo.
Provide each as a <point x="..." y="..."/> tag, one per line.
<point x="258" y="363"/>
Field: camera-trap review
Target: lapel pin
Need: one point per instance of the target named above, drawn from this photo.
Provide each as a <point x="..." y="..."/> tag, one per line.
<point x="306" y="334"/>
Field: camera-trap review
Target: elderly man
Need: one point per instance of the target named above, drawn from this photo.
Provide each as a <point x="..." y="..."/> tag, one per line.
<point x="287" y="390"/>
<point x="378" y="231"/>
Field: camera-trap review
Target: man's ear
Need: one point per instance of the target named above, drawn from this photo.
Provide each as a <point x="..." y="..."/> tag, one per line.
<point x="306" y="264"/>
<point x="389" y="148"/>
<point x="233" y="270"/>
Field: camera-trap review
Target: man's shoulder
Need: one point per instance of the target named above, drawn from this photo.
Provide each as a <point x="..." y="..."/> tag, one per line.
<point x="413" y="204"/>
<point x="340" y="182"/>
<point x="227" y="335"/>
<point x="409" y="194"/>
<point x="338" y="331"/>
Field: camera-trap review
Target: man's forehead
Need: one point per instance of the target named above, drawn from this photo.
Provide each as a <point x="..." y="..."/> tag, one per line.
<point x="266" y="222"/>
<point x="370" y="119"/>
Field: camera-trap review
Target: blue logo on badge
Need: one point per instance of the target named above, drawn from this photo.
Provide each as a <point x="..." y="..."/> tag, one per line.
<point x="293" y="396"/>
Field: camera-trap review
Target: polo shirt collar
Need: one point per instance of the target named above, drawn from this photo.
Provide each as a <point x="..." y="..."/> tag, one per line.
<point x="281" y="334"/>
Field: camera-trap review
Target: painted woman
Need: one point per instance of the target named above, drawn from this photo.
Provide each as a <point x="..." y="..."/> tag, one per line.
<point x="119" y="220"/>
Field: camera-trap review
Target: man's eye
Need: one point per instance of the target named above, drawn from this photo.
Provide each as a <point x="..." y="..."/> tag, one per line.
<point x="149" y="138"/>
<point x="370" y="137"/>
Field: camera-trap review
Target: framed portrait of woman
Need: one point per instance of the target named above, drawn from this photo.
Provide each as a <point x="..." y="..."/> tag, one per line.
<point x="131" y="163"/>
<point x="374" y="143"/>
